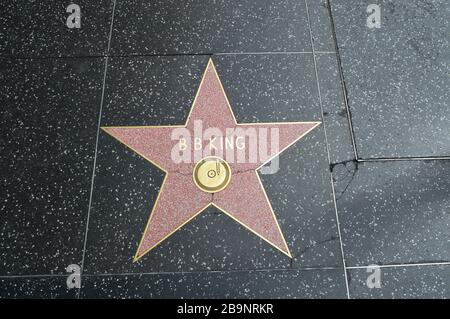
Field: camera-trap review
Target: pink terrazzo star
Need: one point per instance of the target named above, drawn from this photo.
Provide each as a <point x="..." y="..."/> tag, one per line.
<point x="180" y="199"/>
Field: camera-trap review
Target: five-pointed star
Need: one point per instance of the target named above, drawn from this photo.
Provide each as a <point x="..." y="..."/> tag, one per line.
<point x="180" y="199"/>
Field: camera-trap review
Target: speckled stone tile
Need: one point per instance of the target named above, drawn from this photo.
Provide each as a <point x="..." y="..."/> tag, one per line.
<point x="240" y="284"/>
<point x="270" y="88"/>
<point x="334" y="111"/>
<point x="278" y="87"/>
<point x="36" y="288"/>
<point x="196" y="26"/>
<point x="126" y="185"/>
<point x="48" y="128"/>
<point x="394" y="212"/>
<point x="38" y="28"/>
<point x="424" y="282"/>
<point x="397" y="76"/>
<point x="159" y="91"/>
<point x="321" y="25"/>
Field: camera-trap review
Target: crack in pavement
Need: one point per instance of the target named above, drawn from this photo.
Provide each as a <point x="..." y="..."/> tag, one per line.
<point x="352" y="171"/>
<point x="304" y="250"/>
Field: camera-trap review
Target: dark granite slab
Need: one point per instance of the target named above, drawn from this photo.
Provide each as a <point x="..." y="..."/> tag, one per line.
<point x="397" y="76"/>
<point x="39" y="28"/>
<point x="48" y="129"/>
<point x="394" y="212"/>
<point x="422" y="282"/>
<point x="52" y="287"/>
<point x="196" y="26"/>
<point x="241" y="284"/>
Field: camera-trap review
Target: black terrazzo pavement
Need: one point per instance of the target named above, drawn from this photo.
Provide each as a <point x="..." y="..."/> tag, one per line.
<point x="347" y="196"/>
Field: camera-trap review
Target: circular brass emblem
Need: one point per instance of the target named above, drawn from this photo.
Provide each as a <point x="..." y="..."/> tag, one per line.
<point x="212" y="174"/>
